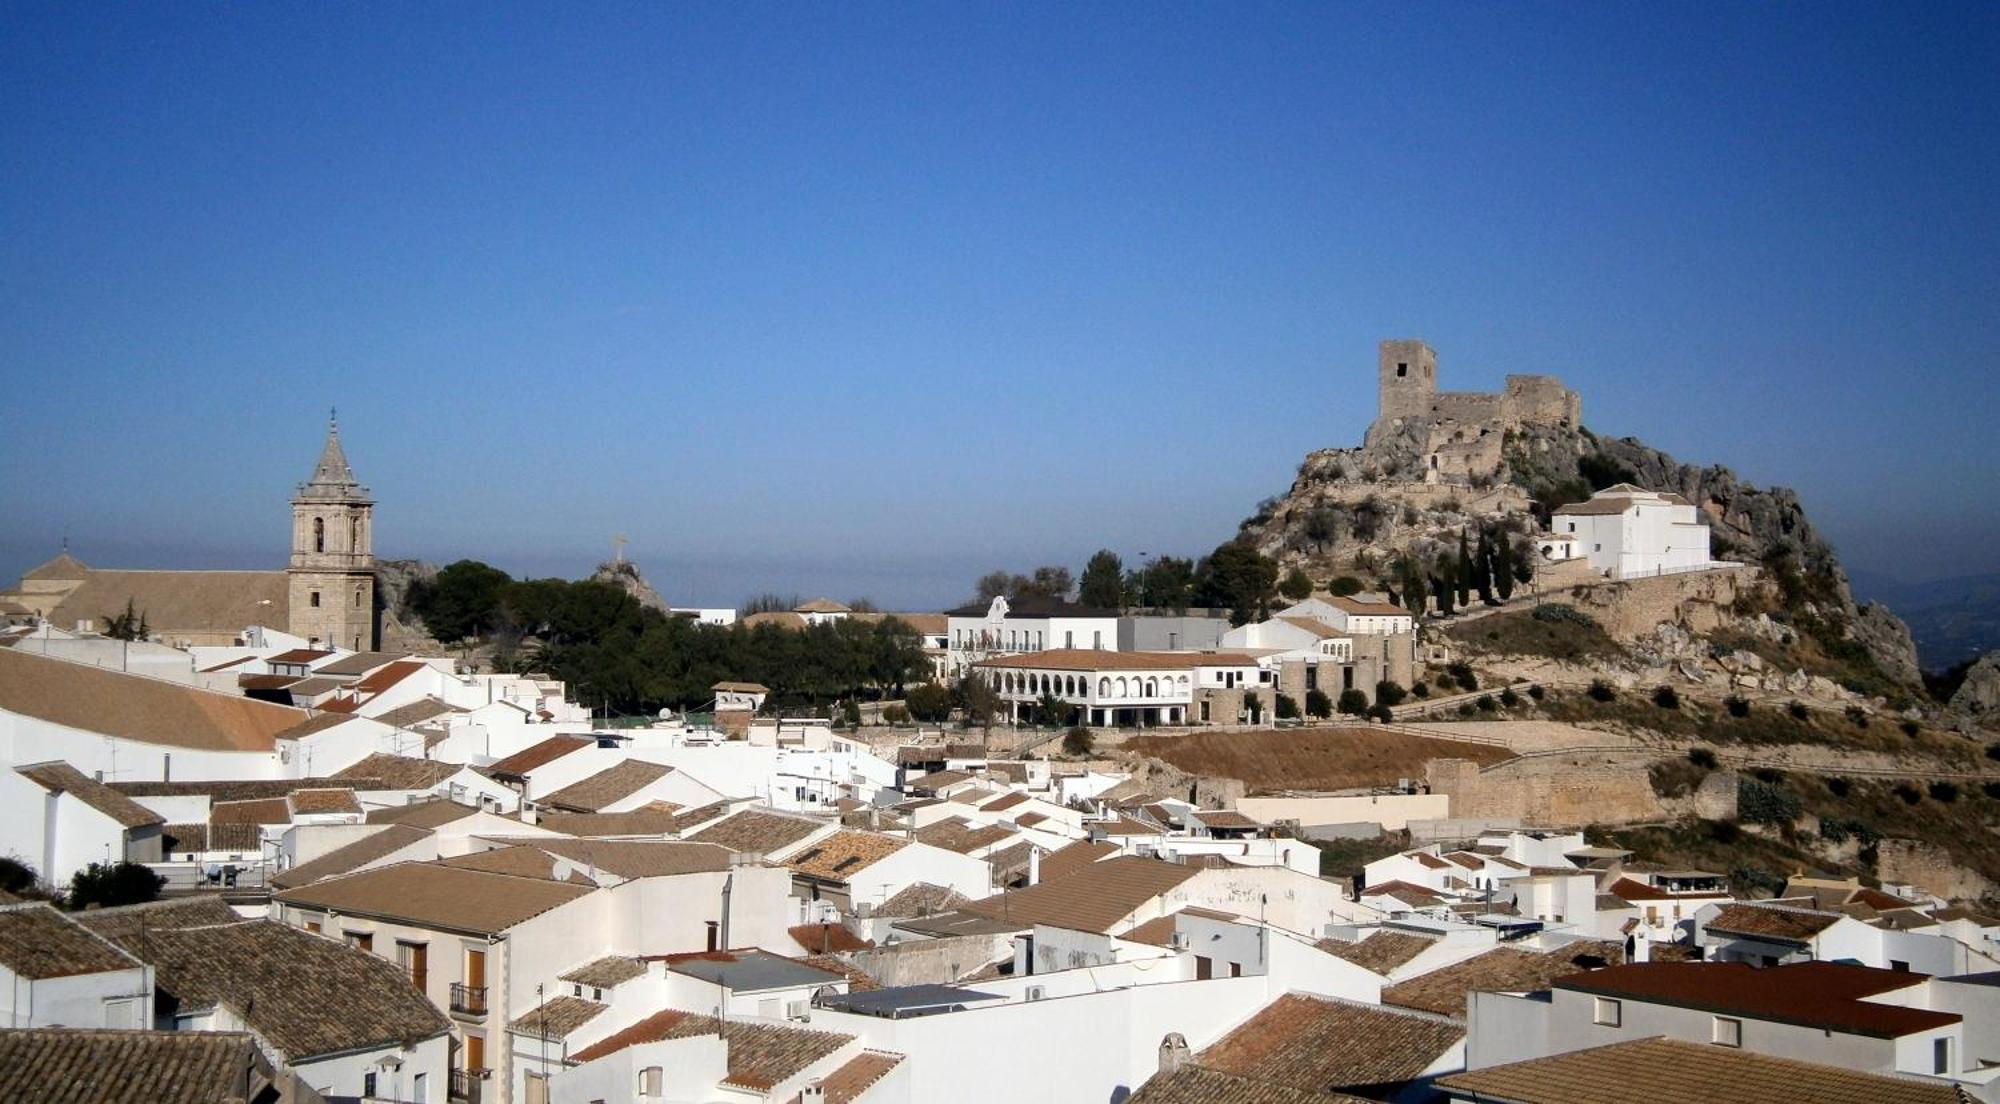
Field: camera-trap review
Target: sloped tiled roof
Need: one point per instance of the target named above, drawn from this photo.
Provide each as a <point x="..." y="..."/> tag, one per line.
<point x="1786" y="925"/>
<point x="324" y="801"/>
<point x="638" y="858"/>
<point x="840" y="856"/>
<point x="521" y="860"/>
<point x="958" y="834"/>
<point x="639" y="822"/>
<point x="1667" y="1069"/>
<point x="827" y="938"/>
<point x="436" y="896"/>
<point x="760" y="1055"/>
<point x="1500" y="970"/>
<point x="607" y="786"/>
<point x="61" y="778"/>
<point x="1077" y="856"/>
<point x="1193" y="1084"/>
<point x="262" y="810"/>
<point x="38" y="943"/>
<point x="126" y="922"/>
<point x="1381" y="952"/>
<point x="542" y="754"/>
<point x="422" y="711"/>
<point x="1315" y="1044"/>
<point x="429" y="815"/>
<point x="754" y="830"/>
<point x="603" y="973"/>
<point x="309" y="996"/>
<point x="400" y="772"/>
<point x="355" y="855"/>
<point x="56" y="1065"/>
<point x="856" y="1076"/>
<point x="920" y="899"/>
<point x="858" y="980"/>
<point x="240" y="789"/>
<point x="558" y="1018"/>
<point x="1827" y="996"/>
<point x="211" y="837"/>
<point x="1098" y="899"/>
<point x="132" y="707"/>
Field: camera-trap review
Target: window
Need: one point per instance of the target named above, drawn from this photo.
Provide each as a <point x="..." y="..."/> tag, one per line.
<point x="319" y="536"/>
<point x="1069" y="639"/>
<point x="415" y="958"/>
<point x="314" y="599"/>
<point x="1726" y="1032"/>
<point x="651" y="1082"/>
<point x="1203" y="968"/>
<point x="1940" y="1055"/>
<point x="354" y="535"/>
<point x="1605" y="1012"/>
<point x="1402" y="368"/>
<point x="1236" y="969"/>
<point x="420" y="1087"/>
<point x="538" y="1088"/>
<point x="361" y="940"/>
<point x="368" y="1085"/>
<point x="1899" y="966"/>
<point x="357" y="597"/>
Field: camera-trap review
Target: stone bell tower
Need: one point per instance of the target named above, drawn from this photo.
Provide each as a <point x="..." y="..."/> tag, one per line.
<point x="332" y="573"/>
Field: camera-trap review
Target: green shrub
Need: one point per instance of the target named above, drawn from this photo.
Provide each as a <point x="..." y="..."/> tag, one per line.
<point x="1465" y="709"/>
<point x="1509" y="698"/>
<point x="1536" y="692"/>
<point x="1461" y="673"/>
<point x="1702" y="757"/>
<point x="112" y="884"/>
<point x="1601" y="690"/>
<point x="896" y="714"/>
<point x="1078" y="741"/>
<point x="1421" y="690"/>
<point x="1487" y="704"/>
<point x="1992" y="790"/>
<point x="1908" y="793"/>
<point x="1390" y="692"/>
<point x="1666" y="698"/>
<point x="1763" y="803"/>
<point x="1737" y="704"/>
<point x="1353" y="701"/>
<point x="1288" y="707"/>
<point x="1557" y="613"/>
<point x="1944" y="792"/>
<point x="1318" y="704"/>
<point x="1857" y="716"/>
<point x="1380" y="712"/>
<point x="1911" y="728"/>
<point x="1344" y="586"/>
<point x="1993" y="751"/>
<point x="1799" y="711"/>
<point x="1838" y="787"/>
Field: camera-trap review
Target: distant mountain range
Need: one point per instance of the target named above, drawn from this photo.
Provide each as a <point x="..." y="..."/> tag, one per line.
<point x="1951" y="619"/>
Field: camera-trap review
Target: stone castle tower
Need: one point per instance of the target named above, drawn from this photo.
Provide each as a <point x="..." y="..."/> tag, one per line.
<point x="331" y="578"/>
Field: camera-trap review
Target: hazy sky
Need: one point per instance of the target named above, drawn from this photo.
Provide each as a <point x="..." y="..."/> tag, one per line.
<point x="865" y="300"/>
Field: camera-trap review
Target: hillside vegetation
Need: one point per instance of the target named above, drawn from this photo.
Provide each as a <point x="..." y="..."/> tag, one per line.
<point x="1309" y="759"/>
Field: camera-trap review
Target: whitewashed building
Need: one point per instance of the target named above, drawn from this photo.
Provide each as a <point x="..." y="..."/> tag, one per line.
<point x="1629" y="533"/>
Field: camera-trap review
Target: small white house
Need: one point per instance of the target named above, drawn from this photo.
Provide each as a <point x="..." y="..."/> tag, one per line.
<point x="1629" y="533"/>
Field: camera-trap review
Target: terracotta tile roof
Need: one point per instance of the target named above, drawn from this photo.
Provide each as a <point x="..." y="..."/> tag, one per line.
<point x="360" y="663"/>
<point x="757" y="831"/>
<point x="1098" y="899"/>
<point x="52" y="1065"/>
<point x="1500" y="970"/>
<point x="211" y="837"/>
<point x="855" y="1077"/>
<point x="938" y="780"/>
<point x="1077" y="856"/>
<point x="125" y="922"/>
<point x="520" y="860"/>
<point x="307" y="995"/>
<point x="1827" y="996"/>
<point x="1225" y="818"/>
<point x="1415" y="896"/>
<point x="1616" y="504"/>
<point x="958" y="834"/>
<point x="61" y="778"/>
<point x="1665" y="1069"/>
<point x="638" y="858"/>
<point x="1091" y="659"/>
<point x="1195" y="1085"/>
<point x="842" y="855"/>
<point x="383" y="678"/>
<point x="400" y="772"/>
<point x="920" y="899"/>
<point x="436" y="896"/>
<point x="1313" y="1044"/>
<point x="370" y="848"/>
<point x="605" y="972"/>
<point x="38" y="943"/>
<point x="428" y="815"/>
<point x="324" y="801"/>
<point x="639" y="822"/>
<point x="1785" y="925"/>
<point x="1381" y="952"/>
<point x="1426" y="859"/>
<point x="1123" y="826"/>
<point x="1005" y="801"/>
<point x="542" y="754"/>
<point x="1355" y="607"/>
<point x="607" y="786"/>
<point x="828" y="939"/>
<point x="317" y="723"/>
<point x="557" y="1018"/>
<point x="741" y="687"/>
<point x="1313" y="625"/>
<point x="237" y="789"/>
<point x="266" y="682"/>
<point x="263" y="810"/>
<point x="299" y="655"/>
<point x="422" y="712"/>
<point x="1029" y="820"/>
<point x="821" y="605"/>
<point x="760" y="1055"/>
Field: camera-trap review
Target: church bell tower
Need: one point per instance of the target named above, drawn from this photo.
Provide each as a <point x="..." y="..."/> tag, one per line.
<point x="332" y="573"/>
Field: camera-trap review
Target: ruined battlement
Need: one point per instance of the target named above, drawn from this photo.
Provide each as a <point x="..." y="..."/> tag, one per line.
<point x="1407" y="380"/>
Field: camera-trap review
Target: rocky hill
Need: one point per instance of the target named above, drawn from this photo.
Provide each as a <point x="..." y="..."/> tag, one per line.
<point x="625" y="575"/>
<point x="1355" y="511"/>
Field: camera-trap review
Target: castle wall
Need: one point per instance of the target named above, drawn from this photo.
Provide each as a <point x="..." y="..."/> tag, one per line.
<point x="1468" y="406"/>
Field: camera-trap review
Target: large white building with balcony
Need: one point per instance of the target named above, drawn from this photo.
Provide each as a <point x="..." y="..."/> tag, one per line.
<point x="1126" y="688"/>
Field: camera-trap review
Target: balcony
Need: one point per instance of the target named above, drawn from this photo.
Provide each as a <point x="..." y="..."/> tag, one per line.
<point x="468" y="1085"/>
<point x="468" y="1000"/>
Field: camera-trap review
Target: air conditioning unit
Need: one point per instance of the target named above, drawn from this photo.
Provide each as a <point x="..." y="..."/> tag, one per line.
<point x="1178" y="941"/>
<point x="1036" y="992"/>
<point x="798" y="1010"/>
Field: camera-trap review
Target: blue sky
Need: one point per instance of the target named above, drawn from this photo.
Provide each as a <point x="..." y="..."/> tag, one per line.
<point x="865" y="300"/>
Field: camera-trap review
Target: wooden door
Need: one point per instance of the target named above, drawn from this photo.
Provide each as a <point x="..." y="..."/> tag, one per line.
<point x="475" y="969"/>
<point x="475" y="1052"/>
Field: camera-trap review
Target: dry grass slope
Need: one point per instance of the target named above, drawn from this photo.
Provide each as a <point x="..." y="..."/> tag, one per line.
<point x="1309" y="759"/>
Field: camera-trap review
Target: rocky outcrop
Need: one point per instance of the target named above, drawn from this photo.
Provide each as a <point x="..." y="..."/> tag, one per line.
<point x="625" y="575"/>
<point x="401" y="630"/>
<point x="1978" y="697"/>
<point x="1356" y="510"/>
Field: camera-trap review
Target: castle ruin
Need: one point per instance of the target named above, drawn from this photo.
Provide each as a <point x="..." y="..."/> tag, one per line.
<point x="1459" y="434"/>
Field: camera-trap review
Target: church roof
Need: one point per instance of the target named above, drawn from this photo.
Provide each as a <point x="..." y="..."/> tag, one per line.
<point x="179" y="601"/>
<point x="63" y="566"/>
<point x="332" y="477"/>
<point x="134" y="707"/>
